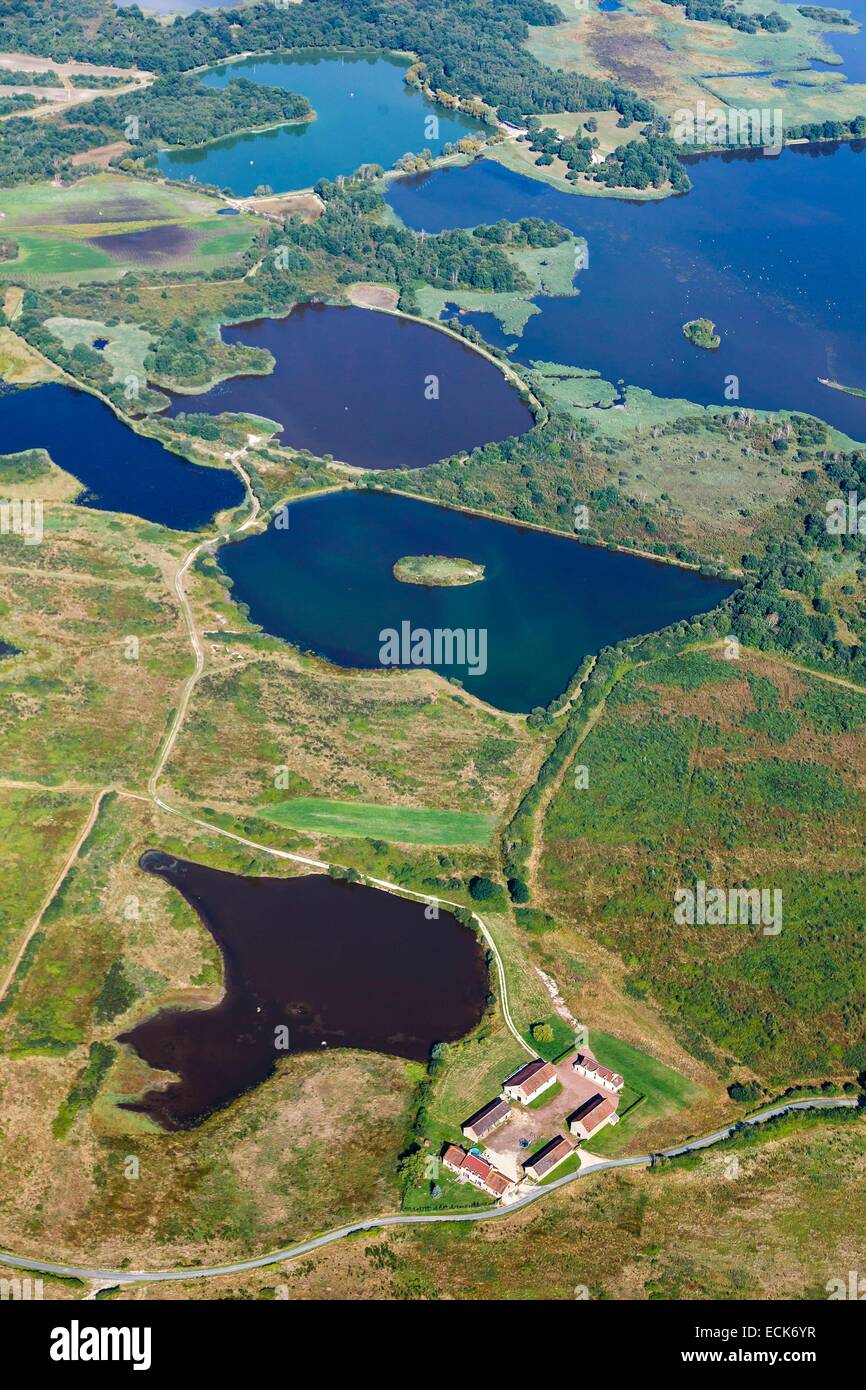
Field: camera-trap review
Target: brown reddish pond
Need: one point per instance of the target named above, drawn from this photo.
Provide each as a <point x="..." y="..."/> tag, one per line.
<point x="150" y="246"/>
<point x="335" y="964"/>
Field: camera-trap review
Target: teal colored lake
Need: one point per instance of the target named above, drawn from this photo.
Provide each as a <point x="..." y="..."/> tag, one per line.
<point x="364" y="113"/>
<point x="326" y="583"/>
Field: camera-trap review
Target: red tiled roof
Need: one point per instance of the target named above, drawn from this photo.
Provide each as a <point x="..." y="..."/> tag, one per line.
<point x="498" y="1182"/>
<point x="453" y="1154"/>
<point x="594" y="1112"/>
<point x="548" y="1157"/>
<point x="586" y="1059"/>
<point x="492" y="1179"/>
<point x="473" y="1164"/>
<point x="531" y="1077"/>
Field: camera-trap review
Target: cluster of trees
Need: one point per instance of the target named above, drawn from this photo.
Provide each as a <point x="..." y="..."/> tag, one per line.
<point x="728" y="14"/>
<point x="180" y="111"/>
<point x="648" y="163"/>
<point x="173" y="111"/>
<point x="86" y="79"/>
<point x="818" y="12"/>
<point x="18" y="101"/>
<point x="375" y="249"/>
<point x="828" y="130"/>
<point x="116" y="993"/>
<point x="8" y="78"/>
<point x="187" y="353"/>
<point x="466" y="47"/>
<point x="179" y="353"/>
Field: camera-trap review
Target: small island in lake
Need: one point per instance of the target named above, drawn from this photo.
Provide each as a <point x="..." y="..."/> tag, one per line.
<point x="702" y="332"/>
<point x="437" y="570"/>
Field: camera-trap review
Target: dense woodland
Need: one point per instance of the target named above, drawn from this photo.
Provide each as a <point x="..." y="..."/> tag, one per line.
<point x="173" y="111"/>
<point x="379" y="250"/>
<point x="468" y="47"/>
<point x="180" y="111"/>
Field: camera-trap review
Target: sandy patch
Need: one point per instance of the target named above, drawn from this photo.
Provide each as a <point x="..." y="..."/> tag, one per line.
<point x="307" y="206"/>
<point x="26" y="62"/>
<point x="19" y="364"/>
<point x="369" y="296"/>
<point x="102" y="155"/>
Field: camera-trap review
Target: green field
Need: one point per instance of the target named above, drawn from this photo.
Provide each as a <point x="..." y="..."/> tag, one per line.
<point x="56" y="230"/>
<point x="126" y="344"/>
<point x="732" y="773"/>
<point x="50" y="256"/>
<point x="402" y="824"/>
<point x="651" y="1091"/>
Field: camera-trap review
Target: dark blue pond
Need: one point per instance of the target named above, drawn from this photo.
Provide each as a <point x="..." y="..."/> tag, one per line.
<point x="364" y="112"/>
<point x="122" y="471"/>
<point x="355" y="383"/>
<point x="335" y="964"/>
<point x="326" y="583"/>
<point x="770" y="249"/>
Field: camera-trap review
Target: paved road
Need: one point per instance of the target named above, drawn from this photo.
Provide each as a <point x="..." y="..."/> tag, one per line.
<point x="124" y="1276"/>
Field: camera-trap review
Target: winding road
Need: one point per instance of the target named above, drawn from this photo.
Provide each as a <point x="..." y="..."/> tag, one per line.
<point x="293" y="1252"/>
<point x="106" y="1276"/>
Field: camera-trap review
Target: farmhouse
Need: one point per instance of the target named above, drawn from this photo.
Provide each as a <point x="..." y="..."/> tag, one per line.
<point x="586" y="1065"/>
<point x="485" y="1120"/>
<point x="593" y="1115"/>
<point x="471" y="1168"/>
<point x="548" y="1158"/>
<point x="529" y="1082"/>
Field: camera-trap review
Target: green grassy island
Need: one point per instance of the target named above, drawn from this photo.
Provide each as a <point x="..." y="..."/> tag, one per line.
<point x="437" y="570"/>
<point x="702" y="332"/>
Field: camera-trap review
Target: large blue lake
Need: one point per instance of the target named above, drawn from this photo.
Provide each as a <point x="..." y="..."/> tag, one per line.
<point x="121" y="470"/>
<point x="326" y="583"/>
<point x="770" y="249"/>
<point x="373" y="389"/>
<point x="364" y="113"/>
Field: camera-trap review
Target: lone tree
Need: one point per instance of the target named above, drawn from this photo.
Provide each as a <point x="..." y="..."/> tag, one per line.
<point x="482" y="888"/>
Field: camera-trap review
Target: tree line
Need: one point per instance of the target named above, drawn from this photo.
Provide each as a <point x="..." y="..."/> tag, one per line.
<point x="467" y="47"/>
<point x="173" y="111"/>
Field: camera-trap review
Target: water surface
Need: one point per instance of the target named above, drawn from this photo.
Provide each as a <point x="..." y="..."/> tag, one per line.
<point x="337" y="964"/>
<point x="769" y="249"/>
<point x="121" y="470"/>
<point x="326" y="584"/>
<point x="364" y="113"/>
<point x="359" y="384"/>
